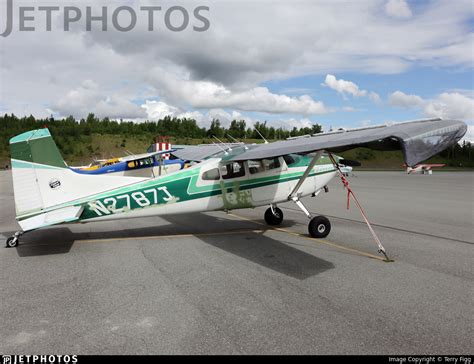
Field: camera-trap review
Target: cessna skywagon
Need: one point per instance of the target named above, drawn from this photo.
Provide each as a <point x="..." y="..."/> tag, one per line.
<point x="48" y="193"/>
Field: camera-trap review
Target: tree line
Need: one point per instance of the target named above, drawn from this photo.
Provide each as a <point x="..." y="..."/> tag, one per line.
<point x="12" y="125"/>
<point x="73" y="137"/>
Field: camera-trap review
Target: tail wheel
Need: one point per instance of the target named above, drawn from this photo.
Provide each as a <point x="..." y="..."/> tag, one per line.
<point x="319" y="227"/>
<point x="273" y="218"/>
<point x="12" y="242"/>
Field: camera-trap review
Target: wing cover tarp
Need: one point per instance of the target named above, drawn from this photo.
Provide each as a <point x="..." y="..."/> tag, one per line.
<point x="197" y="152"/>
<point x="419" y="140"/>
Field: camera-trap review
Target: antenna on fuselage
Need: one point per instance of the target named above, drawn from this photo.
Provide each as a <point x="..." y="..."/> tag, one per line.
<point x="228" y="148"/>
<point x="235" y="140"/>
<point x="266" y="141"/>
<point x="217" y="145"/>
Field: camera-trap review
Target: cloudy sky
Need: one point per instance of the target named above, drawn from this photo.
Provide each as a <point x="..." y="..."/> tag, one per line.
<point x="293" y="63"/>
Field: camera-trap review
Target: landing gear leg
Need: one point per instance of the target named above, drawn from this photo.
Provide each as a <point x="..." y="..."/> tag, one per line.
<point x="319" y="226"/>
<point x="13" y="241"/>
<point x="273" y="215"/>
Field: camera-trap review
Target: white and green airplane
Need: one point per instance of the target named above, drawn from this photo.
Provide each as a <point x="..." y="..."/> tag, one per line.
<point x="48" y="192"/>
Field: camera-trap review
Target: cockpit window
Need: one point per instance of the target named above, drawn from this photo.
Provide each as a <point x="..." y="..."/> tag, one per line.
<point x="233" y="170"/>
<point x="257" y="166"/>
<point x="291" y="159"/>
<point x="271" y="163"/>
<point x="211" y="175"/>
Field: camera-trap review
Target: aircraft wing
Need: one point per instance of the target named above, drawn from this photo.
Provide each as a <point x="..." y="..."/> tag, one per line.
<point x="197" y="153"/>
<point x="135" y="157"/>
<point x="419" y="140"/>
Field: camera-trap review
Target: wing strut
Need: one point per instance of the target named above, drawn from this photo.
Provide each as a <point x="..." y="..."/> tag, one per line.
<point x="350" y="192"/>
<point x="310" y="167"/>
<point x="293" y="196"/>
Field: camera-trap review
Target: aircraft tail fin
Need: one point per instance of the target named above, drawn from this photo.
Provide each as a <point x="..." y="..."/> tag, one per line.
<point x="43" y="182"/>
<point x="33" y="153"/>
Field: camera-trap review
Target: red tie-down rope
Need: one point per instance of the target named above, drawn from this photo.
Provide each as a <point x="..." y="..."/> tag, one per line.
<point x="350" y="193"/>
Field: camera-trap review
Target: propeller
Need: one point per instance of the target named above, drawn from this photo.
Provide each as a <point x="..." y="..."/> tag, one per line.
<point x="350" y="163"/>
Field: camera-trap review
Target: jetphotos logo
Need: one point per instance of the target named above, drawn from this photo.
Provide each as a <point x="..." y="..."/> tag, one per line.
<point x="103" y="18"/>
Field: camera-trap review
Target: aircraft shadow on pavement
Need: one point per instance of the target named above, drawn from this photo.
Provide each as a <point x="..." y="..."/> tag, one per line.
<point x="262" y="249"/>
<point x="251" y="244"/>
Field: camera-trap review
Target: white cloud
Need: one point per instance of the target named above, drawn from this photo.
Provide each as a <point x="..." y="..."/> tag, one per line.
<point x="88" y="98"/>
<point x="207" y="94"/>
<point x="158" y="109"/>
<point x="292" y="123"/>
<point x="401" y="99"/>
<point x="374" y="97"/>
<point x="343" y="86"/>
<point x="348" y="87"/>
<point x="451" y="105"/>
<point x="234" y="60"/>
<point x="398" y="9"/>
<point x="448" y="105"/>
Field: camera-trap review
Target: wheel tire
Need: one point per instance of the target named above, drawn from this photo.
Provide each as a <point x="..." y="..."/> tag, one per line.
<point x="273" y="219"/>
<point x="319" y="227"/>
<point x="12" y="242"/>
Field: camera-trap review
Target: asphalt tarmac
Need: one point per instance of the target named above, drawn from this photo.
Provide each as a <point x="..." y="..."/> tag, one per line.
<point x="217" y="283"/>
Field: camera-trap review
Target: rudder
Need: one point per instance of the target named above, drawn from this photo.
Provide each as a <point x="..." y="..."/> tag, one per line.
<point x="30" y="152"/>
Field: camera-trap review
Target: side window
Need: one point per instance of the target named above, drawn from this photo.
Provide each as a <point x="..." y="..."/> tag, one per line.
<point x="271" y="163"/>
<point x="255" y="166"/>
<point x="211" y="175"/>
<point x="291" y="159"/>
<point x="233" y="170"/>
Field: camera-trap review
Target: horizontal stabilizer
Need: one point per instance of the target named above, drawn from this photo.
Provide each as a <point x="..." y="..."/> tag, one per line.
<point x="59" y="216"/>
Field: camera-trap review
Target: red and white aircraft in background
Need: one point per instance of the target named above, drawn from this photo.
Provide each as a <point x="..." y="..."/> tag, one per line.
<point x="422" y="168"/>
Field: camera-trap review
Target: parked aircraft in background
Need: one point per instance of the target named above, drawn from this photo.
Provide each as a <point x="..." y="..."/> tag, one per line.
<point x="156" y="162"/>
<point x="423" y="168"/>
<point x="141" y="165"/>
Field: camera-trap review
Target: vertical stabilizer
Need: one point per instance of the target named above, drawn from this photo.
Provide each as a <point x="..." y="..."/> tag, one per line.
<point x="43" y="182"/>
<point x="32" y="153"/>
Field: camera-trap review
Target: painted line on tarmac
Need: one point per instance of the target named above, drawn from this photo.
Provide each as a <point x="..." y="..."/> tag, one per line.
<point x="171" y="236"/>
<point x="320" y="241"/>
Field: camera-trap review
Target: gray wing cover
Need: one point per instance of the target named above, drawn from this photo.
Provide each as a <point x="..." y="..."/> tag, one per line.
<point x="419" y="140"/>
<point x="196" y="152"/>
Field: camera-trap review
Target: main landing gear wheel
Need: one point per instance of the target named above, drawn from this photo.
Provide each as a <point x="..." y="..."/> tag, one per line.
<point x="12" y="242"/>
<point x="319" y="227"/>
<point x="274" y="217"/>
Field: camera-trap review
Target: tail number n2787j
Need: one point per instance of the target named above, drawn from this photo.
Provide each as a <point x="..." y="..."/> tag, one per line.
<point x="130" y="201"/>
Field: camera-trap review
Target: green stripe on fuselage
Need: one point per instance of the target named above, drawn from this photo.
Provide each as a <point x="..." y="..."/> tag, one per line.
<point x="178" y="191"/>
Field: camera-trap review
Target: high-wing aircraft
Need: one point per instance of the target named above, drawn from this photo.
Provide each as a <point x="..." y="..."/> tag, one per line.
<point x="140" y="165"/>
<point x="423" y="168"/>
<point x="48" y="192"/>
